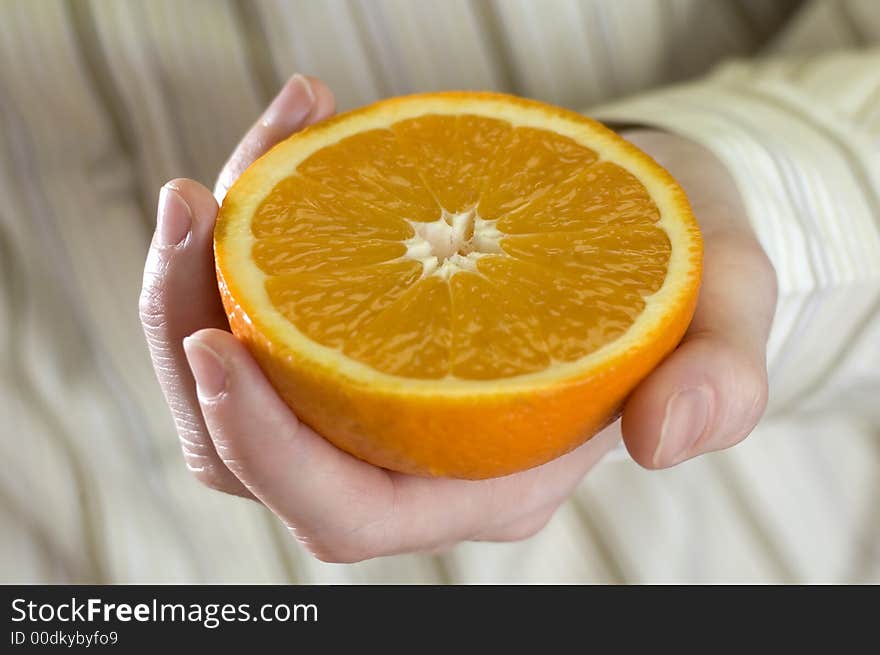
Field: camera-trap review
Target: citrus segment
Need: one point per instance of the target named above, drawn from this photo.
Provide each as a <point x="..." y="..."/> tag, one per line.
<point x="603" y="194"/>
<point x="329" y="307"/>
<point x="412" y="337"/>
<point x="311" y="254"/>
<point x="578" y="314"/>
<point x="455" y="154"/>
<point x="527" y="165"/>
<point x="301" y="207"/>
<point x="372" y="167"/>
<point x="634" y="258"/>
<point x="495" y="332"/>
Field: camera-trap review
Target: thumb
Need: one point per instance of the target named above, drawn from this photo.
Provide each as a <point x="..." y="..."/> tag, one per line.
<point x="710" y="393"/>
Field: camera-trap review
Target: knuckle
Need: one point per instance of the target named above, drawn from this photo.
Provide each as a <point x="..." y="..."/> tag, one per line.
<point x="750" y="385"/>
<point x="748" y="401"/>
<point x="356" y="546"/>
<point x="756" y="393"/>
<point x="345" y="543"/>
<point x="766" y="271"/>
<point x="745" y="250"/>
<point x="752" y="260"/>
<point x="531" y="527"/>
<point x="742" y="376"/>
<point x="153" y="296"/>
<point x="758" y="257"/>
<point x="151" y="302"/>
<point x="150" y="310"/>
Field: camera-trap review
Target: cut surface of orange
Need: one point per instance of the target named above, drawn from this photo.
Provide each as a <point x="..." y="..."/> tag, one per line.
<point x="457" y="284"/>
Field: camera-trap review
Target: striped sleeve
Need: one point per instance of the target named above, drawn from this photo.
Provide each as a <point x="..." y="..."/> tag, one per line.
<point x="802" y="139"/>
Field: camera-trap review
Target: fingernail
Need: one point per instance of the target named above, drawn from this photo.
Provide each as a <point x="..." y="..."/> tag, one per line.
<point x="292" y="104"/>
<point x="207" y="367"/>
<point x="687" y="414"/>
<point x="174" y="218"/>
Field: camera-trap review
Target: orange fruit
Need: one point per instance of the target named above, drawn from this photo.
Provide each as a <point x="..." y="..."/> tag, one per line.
<point x="457" y="284"/>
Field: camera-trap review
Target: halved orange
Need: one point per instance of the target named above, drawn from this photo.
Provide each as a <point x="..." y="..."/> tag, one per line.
<point x="457" y="284"/>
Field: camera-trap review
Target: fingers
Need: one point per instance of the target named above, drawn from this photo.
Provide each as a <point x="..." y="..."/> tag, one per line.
<point x="179" y="296"/>
<point x="301" y="102"/>
<point x="328" y="498"/>
<point x="710" y="393"/>
<point x="712" y="390"/>
<point x="341" y="508"/>
<point x="548" y="487"/>
<point x="433" y="514"/>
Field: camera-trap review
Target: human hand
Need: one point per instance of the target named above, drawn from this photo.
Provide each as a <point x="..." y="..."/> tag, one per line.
<point x="711" y="391"/>
<point x="239" y="437"/>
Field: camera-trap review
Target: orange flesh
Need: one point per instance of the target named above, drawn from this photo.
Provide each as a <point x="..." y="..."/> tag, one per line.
<point x="575" y="248"/>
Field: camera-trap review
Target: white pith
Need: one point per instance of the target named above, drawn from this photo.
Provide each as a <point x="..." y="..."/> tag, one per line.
<point x="452" y="243"/>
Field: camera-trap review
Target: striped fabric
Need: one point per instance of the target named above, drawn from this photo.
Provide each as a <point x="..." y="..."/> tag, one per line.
<point x="101" y="101"/>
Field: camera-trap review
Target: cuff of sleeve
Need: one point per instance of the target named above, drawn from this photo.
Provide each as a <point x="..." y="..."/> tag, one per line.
<point x="808" y="180"/>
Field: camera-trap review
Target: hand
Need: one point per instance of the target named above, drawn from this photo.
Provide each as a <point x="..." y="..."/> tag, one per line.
<point x="239" y="437"/>
<point x="708" y="394"/>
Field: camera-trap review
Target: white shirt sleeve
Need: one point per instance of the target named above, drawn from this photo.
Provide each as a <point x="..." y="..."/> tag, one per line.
<point x="803" y="144"/>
